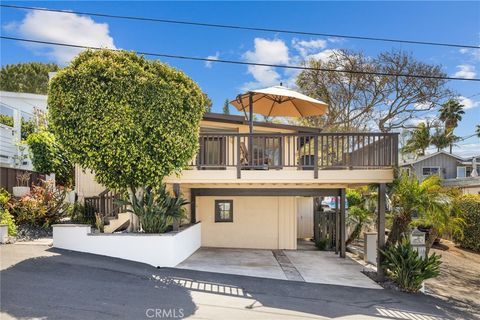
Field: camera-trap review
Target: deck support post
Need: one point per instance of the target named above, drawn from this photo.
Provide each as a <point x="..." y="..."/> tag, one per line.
<point x="337" y="226"/>
<point x="381" y="229"/>
<point x="343" y="227"/>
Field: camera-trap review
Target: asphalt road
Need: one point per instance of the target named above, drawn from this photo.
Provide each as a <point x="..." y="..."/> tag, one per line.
<point x="44" y="283"/>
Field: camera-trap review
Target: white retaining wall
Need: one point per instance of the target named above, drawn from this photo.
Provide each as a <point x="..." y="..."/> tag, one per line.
<point x="158" y="250"/>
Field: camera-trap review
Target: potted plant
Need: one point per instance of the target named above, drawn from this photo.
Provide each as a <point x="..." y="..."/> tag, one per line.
<point x="22" y="187"/>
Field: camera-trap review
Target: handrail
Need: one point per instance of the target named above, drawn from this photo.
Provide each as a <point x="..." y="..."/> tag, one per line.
<point x="304" y="151"/>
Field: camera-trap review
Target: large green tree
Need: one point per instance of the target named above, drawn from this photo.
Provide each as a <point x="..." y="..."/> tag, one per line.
<point x="451" y="114"/>
<point x="131" y="120"/>
<point x="29" y="77"/>
<point x="226" y="107"/>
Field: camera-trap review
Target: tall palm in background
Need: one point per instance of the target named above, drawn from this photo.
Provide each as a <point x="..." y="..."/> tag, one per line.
<point x="419" y="140"/>
<point x="443" y="138"/>
<point x="451" y="114"/>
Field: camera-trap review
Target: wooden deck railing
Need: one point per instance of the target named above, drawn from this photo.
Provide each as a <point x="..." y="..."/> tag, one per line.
<point x="264" y="151"/>
<point x="104" y="203"/>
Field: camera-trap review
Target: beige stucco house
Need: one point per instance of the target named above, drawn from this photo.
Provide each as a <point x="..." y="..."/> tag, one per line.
<point x="257" y="192"/>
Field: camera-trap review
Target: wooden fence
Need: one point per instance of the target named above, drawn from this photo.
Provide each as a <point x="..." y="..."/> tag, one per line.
<point x="8" y="177"/>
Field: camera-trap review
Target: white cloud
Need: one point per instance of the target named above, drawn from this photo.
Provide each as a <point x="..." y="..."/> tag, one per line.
<point x="208" y="64"/>
<point x="270" y="52"/>
<point x="466" y="71"/>
<point x="468" y="103"/>
<point x="474" y="53"/>
<point x="64" y="28"/>
<point x="323" y="56"/>
<point x="467" y="149"/>
<point x="306" y="47"/>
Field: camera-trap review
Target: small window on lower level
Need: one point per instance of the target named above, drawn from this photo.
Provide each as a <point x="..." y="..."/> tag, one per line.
<point x="223" y="210"/>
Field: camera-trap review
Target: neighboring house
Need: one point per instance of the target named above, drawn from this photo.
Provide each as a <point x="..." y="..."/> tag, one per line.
<point x="258" y="192"/>
<point x="15" y="107"/>
<point x="454" y="170"/>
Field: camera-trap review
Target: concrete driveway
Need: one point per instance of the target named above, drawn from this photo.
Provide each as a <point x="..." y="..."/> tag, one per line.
<point x="306" y="266"/>
<point x="38" y="282"/>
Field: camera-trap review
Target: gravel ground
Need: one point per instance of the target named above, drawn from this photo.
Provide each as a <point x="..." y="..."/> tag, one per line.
<point x="459" y="279"/>
<point x="27" y="232"/>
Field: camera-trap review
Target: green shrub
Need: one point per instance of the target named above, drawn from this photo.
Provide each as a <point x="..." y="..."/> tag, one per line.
<point x="359" y="217"/>
<point x="407" y="268"/>
<point x="468" y="207"/>
<point x="321" y="244"/>
<point x="5" y="215"/>
<point x="80" y="213"/>
<point x="354" y="198"/>
<point x="6" y="120"/>
<point x="43" y="206"/>
<point x="157" y="210"/>
<point x="48" y="156"/>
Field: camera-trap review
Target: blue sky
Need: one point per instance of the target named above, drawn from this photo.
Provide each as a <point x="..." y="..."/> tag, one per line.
<point x="455" y="22"/>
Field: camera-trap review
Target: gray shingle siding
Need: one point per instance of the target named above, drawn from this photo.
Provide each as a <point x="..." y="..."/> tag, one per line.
<point x="447" y="164"/>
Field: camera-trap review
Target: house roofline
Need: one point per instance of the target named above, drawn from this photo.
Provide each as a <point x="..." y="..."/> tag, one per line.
<point x="228" y="118"/>
<point x="430" y="156"/>
<point x="23" y="95"/>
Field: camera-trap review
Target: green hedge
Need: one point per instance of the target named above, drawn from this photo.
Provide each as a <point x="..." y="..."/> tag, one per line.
<point x="469" y="206"/>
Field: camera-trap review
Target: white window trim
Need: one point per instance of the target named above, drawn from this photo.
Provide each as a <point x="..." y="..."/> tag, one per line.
<point x="438" y="167"/>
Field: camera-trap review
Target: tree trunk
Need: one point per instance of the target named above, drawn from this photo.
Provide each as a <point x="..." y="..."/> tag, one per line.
<point x="451" y="147"/>
<point x="432" y="236"/>
<point x="400" y="228"/>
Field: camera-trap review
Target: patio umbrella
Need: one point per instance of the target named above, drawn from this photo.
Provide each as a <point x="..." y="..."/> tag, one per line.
<point x="278" y="101"/>
<point x="474" y="168"/>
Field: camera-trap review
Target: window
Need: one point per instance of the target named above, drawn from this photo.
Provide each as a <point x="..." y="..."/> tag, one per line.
<point x="461" y="172"/>
<point x="223" y="210"/>
<point x="428" y="171"/>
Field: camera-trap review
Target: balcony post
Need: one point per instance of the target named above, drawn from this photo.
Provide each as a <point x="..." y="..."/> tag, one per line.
<point x="250" y="137"/>
<point x="315" y="157"/>
<point x="239" y="165"/>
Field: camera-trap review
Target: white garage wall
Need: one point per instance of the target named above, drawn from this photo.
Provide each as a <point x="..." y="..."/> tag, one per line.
<point x="258" y="223"/>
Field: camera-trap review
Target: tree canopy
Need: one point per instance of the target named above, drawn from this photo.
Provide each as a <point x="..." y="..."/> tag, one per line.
<point x="358" y="101"/>
<point x="131" y="120"/>
<point x="29" y="77"/>
<point x="48" y="156"/>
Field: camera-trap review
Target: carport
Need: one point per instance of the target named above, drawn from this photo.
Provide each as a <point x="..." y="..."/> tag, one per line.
<point x="297" y="265"/>
<point x="256" y="193"/>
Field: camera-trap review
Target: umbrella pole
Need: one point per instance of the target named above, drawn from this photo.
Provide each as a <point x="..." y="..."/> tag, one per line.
<point x="250" y="137"/>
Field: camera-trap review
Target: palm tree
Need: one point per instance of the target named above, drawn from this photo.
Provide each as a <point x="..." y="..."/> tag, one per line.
<point x="444" y="138"/>
<point x="419" y="140"/>
<point x="409" y="198"/>
<point x="451" y="113"/>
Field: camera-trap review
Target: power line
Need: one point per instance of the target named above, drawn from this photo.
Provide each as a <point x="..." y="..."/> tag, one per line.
<point x="173" y="56"/>
<point x="238" y="27"/>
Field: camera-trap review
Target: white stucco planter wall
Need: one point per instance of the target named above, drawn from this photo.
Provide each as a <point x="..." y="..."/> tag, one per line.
<point x="3" y="233"/>
<point x="158" y="250"/>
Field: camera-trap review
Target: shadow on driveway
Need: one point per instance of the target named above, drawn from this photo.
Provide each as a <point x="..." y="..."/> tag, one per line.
<point x="73" y="285"/>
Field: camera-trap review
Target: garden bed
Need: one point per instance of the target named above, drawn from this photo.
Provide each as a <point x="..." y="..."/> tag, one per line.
<point x="159" y="250"/>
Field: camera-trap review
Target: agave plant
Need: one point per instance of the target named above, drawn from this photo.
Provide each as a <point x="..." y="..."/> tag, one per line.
<point x="407" y="268"/>
<point x="156" y="209"/>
